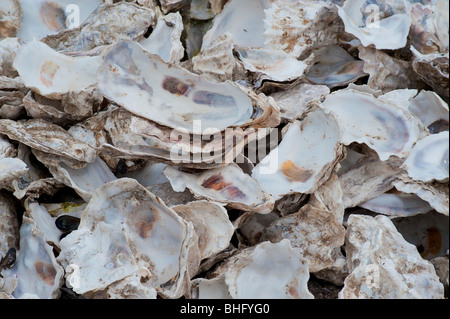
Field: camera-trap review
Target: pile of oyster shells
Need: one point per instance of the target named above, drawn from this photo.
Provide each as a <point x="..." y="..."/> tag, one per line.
<point x="224" y="149"/>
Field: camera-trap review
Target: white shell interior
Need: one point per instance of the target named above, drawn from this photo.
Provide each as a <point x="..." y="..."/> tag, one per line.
<point x="301" y="159"/>
<point x="167" y="94"/>
<point x="53" y="74"/>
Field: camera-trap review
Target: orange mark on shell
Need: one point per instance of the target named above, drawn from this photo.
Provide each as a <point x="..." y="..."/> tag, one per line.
<point x="47" y="73"/>
<point x="293" y="291"/>
<point x="45" y="271"/>
<point x="295" y="173"/>
<point x="217" y="183"/>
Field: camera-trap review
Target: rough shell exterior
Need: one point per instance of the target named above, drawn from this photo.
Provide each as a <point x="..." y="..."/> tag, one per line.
<point x="191" y="149"/>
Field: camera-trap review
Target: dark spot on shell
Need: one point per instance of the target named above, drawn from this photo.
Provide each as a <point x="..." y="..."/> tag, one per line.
<point x="67" y="223"/>
<point x="175" y="86"/>
<point x="9" y="259"/>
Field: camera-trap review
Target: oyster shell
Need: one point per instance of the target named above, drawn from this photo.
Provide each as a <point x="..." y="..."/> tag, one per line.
<point x="295" y="166"/>
<point x="371" y="24"/>
<point x="428" y="159"/>
<point x="211" y="224"/>
<point x="435" y="193"/>
<point x="228" y="185"/>
<point x="298" y="26"/>
<point x="128" y="67"/>
<point x="430" y="43"/>
<point x="8" y="52"/>
<point x="384" y="265"/>
<point x="37" y="272"/>
<point x="223" y="149"/>
<point x="244" y="22"/>
<point x="168" y="27"/>
<point x="299" y="98"/>
<point x="35" y="133"/>
<point x="333" y="66"/>
<point x="269" y="64"/>
<point x="10" y="18"/>
<point x="133" y="233"/>
<point x="9" y="225"/>
<point x="428" y="232"/>
<point x="397" y="204"/>
<point x="387" y="73"/>
<point x="53" y="74"/>
<point x="381" y="123"/>
<point x="431" y="110"/>
<point x="108" y="24"/>
<point x="264" y="271"/>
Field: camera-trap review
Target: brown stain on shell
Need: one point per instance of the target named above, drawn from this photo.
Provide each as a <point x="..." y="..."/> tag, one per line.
<point x="218" y="183"/>
<point x="145" y="220"/>
<point x="175" y="86"/>
<point x="45" y="271"/>
<point x="47" y="73"/>
<point x="295" y="173"/>
<point x="292" y="288"/>
<point x="53" y="16"/>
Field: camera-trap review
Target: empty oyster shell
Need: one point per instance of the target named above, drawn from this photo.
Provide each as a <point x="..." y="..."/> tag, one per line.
<point x="375" y="270"/>
<point x="381" y="124"/>
<point x="273" y="65"/>
<point x="53" y="74"/>
<point x="83" y="180"/>
<point x="211" y="224"/>
<point x="435" y="193"/>
<point x="35" y="133"/>
<point x="228" y="185"/>
<point x="217" y="62"/>
<point x="128" y="67"/>
<point x="387" y="73"/>
<point x="299" y="98"/>
<point x="431" y="110"/>
<point x="333" y="66"/>
<point x="108" y="24"/>
<point x="38" y="273"/>
<point x="173" y="5"/>
<point x="428" y="232"/>
<point x="397" y="204"/>
<point x="368" y="179"/>
<point x="169" y="27"/>
<point x="297" y="26"/>
<point x="279" y="268"/>
<point x="428" y="159"/>
<point x="294" y="166"/>
<point x="359" y="20"/>
<point x="8" y="52"/>
<point x="243" y="20"/>
<point x="137" y="235"/>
